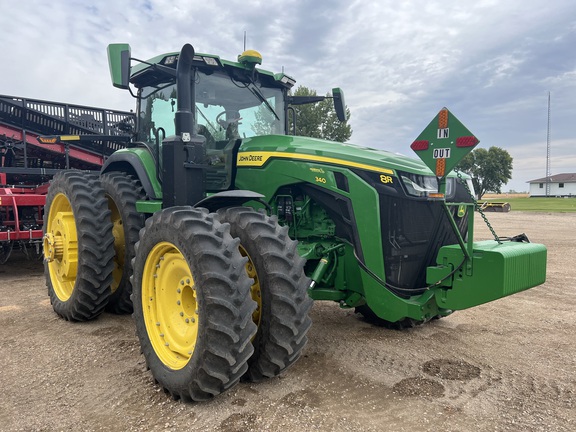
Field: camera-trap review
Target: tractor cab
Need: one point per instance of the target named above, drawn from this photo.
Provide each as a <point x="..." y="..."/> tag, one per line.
<point x="229" y="102"/>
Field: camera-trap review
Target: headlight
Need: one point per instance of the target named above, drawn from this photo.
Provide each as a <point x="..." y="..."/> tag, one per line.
<point x="422" y="186"/>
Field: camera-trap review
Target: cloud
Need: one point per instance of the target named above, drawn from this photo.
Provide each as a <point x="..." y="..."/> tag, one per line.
<point x="491" y="62"/>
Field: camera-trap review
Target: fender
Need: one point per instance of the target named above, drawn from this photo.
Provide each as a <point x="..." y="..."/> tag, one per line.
<point x="230" y="198"/>
<point x="139" y="163"/>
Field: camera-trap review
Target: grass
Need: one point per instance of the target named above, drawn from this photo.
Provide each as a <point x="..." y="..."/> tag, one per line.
<point x="549" y="205"/>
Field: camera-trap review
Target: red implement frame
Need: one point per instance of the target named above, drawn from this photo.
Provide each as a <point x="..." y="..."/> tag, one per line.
<point x="13" y="199"/>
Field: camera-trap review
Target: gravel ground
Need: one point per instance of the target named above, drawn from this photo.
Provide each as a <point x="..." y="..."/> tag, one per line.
<point x="505" y="366"/>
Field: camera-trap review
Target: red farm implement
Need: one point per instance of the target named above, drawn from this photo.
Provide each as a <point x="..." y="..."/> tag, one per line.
<point x="20" y="218"/>
<point x="27" y="165"/>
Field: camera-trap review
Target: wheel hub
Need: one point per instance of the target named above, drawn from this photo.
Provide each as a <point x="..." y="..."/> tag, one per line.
<point x="61" y="245"/>
<point x="53" y="247"/>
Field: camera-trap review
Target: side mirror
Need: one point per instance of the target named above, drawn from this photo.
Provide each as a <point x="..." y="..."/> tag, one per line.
<point x="119" y="63"/>
<point x="339" y="104"/>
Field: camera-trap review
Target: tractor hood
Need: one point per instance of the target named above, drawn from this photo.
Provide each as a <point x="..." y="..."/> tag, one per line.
<point x="257" y="151"/>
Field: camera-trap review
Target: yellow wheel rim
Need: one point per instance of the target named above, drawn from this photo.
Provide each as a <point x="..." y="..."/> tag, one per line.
<point x="169" y="305"/>
<point x="119" y="245"/>
<point x="255" y="291"/>
<point x="61" y="247"/>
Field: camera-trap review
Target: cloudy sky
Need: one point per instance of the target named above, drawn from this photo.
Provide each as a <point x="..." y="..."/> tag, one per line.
<point x="491" y="62"/>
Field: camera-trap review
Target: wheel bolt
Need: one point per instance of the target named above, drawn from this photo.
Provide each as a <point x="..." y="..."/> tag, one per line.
<point x="178" y="302"/>
<point x="181" y="313"/>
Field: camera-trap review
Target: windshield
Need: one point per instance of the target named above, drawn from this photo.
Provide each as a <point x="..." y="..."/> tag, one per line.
<point x="226" y="109"/>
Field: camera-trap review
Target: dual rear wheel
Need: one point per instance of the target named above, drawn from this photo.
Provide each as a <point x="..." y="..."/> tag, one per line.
<point x="215" y="303"/>
<point x="91" y="225"/>
<point x="192" y="303"/>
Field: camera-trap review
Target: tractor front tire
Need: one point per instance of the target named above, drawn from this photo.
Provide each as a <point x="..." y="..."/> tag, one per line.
<point x="403" y="324"/>
<point x="78" y="246"/>
<point x="122" y="192"/>
<point x="280" y="289"/>
<point x="192" y="304"/>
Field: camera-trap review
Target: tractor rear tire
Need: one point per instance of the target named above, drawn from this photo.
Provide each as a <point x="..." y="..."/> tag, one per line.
<point x="78" y="246"/>
<point x="192" y="304"/>
<point x="280" y="288"/>
<point x="122" y="192"/>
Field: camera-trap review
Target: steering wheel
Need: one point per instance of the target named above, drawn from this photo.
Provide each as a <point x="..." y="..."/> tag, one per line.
<point x="234" y="117"/>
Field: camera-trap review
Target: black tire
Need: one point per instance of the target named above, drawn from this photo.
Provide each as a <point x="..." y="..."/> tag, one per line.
<point x="192" y="305"/>
<point x="78" y="272"/>
<point x="278" y="272"/>
<point x="5" y="251"/>
<point x="122" y="192"/>
<point x="402" y="324"/>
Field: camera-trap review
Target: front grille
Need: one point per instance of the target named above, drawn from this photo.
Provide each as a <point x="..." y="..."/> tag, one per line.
<point x="413" y="230"/>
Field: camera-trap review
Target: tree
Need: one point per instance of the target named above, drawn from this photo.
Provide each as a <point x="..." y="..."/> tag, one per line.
<point x="490" y="169"/>
<point x="319" y="120"/>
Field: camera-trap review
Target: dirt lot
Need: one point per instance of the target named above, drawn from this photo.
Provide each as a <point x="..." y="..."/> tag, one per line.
<point x="505" y="366"/>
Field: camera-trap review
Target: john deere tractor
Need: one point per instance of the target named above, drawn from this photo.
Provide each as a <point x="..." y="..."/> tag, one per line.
<point x="217" y="227"/>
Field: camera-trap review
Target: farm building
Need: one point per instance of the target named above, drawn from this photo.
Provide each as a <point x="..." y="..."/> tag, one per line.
<point x="561" y="185"/>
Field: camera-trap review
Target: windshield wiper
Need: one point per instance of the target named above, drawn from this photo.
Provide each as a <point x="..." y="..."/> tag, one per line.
<point x="256" y="92"/>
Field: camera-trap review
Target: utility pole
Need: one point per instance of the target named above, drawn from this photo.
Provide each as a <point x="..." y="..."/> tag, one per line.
<point x="548" y="169"/>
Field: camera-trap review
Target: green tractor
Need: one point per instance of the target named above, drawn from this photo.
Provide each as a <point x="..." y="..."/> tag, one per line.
<point x="217" y="228"/>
